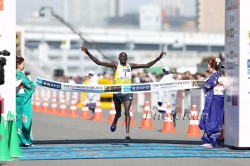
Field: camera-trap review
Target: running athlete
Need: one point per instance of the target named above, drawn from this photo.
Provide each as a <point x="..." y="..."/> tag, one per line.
<point x="122" y="71"/>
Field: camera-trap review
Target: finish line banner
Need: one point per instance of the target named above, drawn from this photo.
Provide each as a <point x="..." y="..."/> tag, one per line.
<point x="128" y="88"/>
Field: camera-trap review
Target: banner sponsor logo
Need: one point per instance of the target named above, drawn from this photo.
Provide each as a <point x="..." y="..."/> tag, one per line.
<point x="82" y="87"/>
<point x="231" y="33"/>
<point x="231" y="65"/>
<point x="112" y="89"/>
<point x="39" y="81"/>
<point x="169" y="84"/>
<point x="127" y="88"/>
<point x="231" y="4"/>
<point x="197" y="83"/>
<point x="142" y="87"/>
<point x="231" y="44"/>
<point x="51" y="84"/>
<point x="232" y="55"/>
<point x="232" y="19"/>
<point x="1" y="5"/>
<point x="234" y="100"/>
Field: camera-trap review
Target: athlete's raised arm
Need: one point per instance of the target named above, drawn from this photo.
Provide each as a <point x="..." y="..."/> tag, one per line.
<point x="98" y="62"/>
<point x="149" y="64"/>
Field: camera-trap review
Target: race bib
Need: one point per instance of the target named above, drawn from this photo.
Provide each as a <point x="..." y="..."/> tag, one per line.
<point x="125" y="74"/>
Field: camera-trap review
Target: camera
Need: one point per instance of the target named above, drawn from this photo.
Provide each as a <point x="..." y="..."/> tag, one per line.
<point x="2" y="64"/>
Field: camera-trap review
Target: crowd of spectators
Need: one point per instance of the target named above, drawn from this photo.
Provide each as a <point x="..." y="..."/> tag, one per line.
<point x="138" y="77"/>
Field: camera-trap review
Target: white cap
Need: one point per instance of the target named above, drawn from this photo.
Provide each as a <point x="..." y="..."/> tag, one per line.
<point x="165" y="69"/>
<point x="91" y="73"/>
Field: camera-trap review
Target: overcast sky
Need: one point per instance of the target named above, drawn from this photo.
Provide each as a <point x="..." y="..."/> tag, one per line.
<point x="25" y="8"/>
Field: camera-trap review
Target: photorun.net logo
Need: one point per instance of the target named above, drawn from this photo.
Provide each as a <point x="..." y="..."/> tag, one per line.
<point x="1" y="5"/>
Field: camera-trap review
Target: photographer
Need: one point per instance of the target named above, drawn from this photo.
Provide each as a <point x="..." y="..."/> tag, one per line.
<point x="23" y="104"/>
<point x="2" y="64"/>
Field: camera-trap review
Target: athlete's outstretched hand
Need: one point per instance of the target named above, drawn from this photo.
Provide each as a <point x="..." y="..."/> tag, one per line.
<point x="162" y="54"/>
<point x="85" y="49"/>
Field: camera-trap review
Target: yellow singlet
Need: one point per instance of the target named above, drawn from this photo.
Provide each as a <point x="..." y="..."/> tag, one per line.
<point x="123" y="74"/>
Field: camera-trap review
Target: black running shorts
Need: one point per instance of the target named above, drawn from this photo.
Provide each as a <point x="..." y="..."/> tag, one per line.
<point x="120" y="97"/>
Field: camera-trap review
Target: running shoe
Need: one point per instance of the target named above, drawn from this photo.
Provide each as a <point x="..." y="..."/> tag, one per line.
<point x="209" y="146"/>
<point x="32" y="145"/>
<point x="127" y="139"/>
<point x="113" y="127"/>
<point x="205" y="144"/>
<point x="26" y="145"/>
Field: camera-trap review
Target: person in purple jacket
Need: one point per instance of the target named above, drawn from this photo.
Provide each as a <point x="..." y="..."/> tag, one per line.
<point x="212" y="115"/>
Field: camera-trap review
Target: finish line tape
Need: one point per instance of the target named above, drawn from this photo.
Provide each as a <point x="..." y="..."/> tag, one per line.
<point x="126" y="88"/>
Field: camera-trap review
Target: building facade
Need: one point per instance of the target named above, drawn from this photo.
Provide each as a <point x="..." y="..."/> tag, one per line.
<point x="49" y="48"/>
<point x="211" y="16"/>
<point x="91" y="12"/>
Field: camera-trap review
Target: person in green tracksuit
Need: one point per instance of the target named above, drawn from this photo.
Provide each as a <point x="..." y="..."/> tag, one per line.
<point x="23" y="104"/>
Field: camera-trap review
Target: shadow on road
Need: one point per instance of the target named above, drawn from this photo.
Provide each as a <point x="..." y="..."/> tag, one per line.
<point x="121" y="141"/>
<point x="115" y="141"/>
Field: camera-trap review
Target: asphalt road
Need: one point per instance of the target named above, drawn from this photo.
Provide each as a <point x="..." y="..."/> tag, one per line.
<point x="51" y="130"/>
